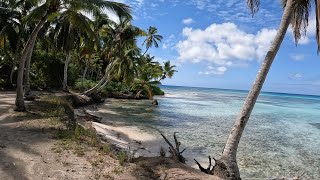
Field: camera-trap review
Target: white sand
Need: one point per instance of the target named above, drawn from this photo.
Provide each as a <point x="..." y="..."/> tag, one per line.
<point x="126" y="137"/>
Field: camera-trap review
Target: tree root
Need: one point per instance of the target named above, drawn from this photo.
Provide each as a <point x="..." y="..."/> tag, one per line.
<point x="210" y="167"/>
<point x="175" y="151"/>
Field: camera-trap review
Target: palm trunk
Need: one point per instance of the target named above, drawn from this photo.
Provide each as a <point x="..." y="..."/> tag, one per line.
<point x="150" y="95"/>
<point x="12" y="72"/>
<point x="17" y="54"/>
<point x="230" y="151"/>
<point x="97" y="86"/>
<point x="65" y="72"/>
<point x="138" y="94"/>
<point x="27" y="72"/>
<point x="29" y="46"/>
<point x="101" y="83"/>
<point x="84" y="73"/>
<point x="145" y="51"/>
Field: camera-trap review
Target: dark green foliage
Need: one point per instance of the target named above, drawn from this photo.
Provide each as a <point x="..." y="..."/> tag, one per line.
<point x="46" y="70"/>
<point x="96" y="46"/>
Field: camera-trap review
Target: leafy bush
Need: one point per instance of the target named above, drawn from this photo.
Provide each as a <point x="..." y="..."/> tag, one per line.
<point x="87" y="84"/>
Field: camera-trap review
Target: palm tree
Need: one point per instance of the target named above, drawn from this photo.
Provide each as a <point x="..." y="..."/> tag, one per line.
<point x="152" y="39"/>
<point x="121" y="39"/>
<point x="50" y="9"/>
<point x="295" y="12"/>
<point x="71" y="27"/>
<point x="12" y="27"/>
<point x="148" y="73"/>
<point x="168" y="70"/>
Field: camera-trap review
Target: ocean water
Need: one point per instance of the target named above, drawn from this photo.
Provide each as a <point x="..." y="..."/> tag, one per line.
<point x="282" y="137"/>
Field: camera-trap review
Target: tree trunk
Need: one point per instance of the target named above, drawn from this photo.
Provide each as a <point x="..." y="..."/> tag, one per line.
<point x="17" y="54"/>
<point x="138" y="94"/>
<point x="101" y="83"/>
<point x="27" y="72"/>
<point x="145" y="51"/>
<point x="84" y="73"/>
<point x="12" y="72"/>
<point x="97" y="86"/>
<point x="228" y="159"/>
<point x="28" y="47"/>
<point x="65" y="72"/>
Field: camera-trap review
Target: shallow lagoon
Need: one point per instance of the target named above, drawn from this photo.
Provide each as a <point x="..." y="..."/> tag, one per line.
<point x="282" y="137"/>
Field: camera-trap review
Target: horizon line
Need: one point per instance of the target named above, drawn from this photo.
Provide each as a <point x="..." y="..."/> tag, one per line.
<point x="316" y="95"/>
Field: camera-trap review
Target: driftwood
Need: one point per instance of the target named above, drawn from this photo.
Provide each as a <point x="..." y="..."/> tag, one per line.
<point x="209" y="169"/>
<point x="175" y="151"/>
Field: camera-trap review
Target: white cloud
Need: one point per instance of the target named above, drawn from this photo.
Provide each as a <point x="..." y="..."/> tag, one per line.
<point x="188" y="21"/>
<point x="164" y="46"/>
<point x="296" y="76"/>
<point x="297" y="57"/>
<point x="214" y="70"/>
<point x="223" y="45"/>
<point x="169" y="42"/>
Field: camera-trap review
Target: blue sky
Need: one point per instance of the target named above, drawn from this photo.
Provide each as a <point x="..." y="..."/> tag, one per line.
<point x="217" y="43"/>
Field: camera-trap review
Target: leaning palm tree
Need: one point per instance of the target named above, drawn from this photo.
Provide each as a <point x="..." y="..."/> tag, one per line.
<point x="168" y="70"/>
<point x="295" y="12"/>
<point x="121" y="39"/>
<point x="49" y="9"/>
<point x="152" y="39"/>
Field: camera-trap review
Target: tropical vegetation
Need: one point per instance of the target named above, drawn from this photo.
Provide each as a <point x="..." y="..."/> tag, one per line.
<point x="74" y="45"/>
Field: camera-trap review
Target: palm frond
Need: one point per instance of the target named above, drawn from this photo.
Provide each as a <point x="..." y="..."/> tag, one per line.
<point x="317" y="7"/>
<point x="300" y="18"/>
<point x="253" y="6"/>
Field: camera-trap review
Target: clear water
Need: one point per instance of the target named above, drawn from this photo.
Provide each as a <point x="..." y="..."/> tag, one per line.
<point x="282" y="137"/>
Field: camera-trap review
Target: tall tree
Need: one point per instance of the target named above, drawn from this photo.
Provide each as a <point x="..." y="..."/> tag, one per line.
<point x="152" y="39"/>
<point x="48" y="10"/>
<point x="122" y="41"/>
<point x="71" y="27"/>
<point x="295" y="12"/>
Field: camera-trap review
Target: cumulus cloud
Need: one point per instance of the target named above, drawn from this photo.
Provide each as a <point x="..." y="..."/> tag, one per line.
<point x="297" y="57"/>
<point x="296" y="76"/>
<point x="188" y="21"/>
<point x="214" y="70"/>
<point x="169" y="42"/>
<point x="223" y="45"/>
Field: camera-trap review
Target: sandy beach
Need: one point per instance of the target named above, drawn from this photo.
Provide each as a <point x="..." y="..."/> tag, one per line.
<point x="28" y="150"/>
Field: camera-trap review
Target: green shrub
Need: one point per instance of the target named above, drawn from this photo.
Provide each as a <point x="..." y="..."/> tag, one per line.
<point x="87" y="84"/>
<point x="122" y="157"/>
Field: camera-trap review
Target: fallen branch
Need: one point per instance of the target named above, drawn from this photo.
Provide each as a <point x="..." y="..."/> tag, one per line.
<point x="175" y="151"/>
<point x="210" y="167"/>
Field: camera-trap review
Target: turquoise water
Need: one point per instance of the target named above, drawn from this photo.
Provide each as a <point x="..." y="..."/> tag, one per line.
<point x="282" y="137"/>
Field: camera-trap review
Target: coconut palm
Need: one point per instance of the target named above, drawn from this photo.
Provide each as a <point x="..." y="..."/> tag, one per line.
<point x="168" y="70"/>
<point x="295" y="12"/>
<point x="49" y="10"/>
<point x="148" y="74"/>
<point x="71" y="27"/>
<point x="121" y="40"/>
<point x="152" y="38"/>
<point x="12" y="27"/>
